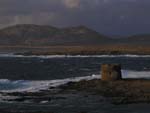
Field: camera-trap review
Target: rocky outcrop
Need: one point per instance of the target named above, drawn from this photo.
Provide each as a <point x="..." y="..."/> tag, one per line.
<point x="111" y="72"/>
<point x="126" y="91"/>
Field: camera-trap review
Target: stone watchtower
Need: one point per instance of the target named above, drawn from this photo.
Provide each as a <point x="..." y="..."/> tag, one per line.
<point x="111" y="72"/>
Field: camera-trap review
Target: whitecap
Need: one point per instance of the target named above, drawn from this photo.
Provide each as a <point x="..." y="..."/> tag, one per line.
<point x="136" y="74"/>
<point x="73" y="56"/>
<point x="34" y="86"/>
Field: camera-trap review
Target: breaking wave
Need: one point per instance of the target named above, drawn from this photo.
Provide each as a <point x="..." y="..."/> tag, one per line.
<point x="136" y="74"/>
<point x="34" y="86"/>
<point x="73" y="56"/>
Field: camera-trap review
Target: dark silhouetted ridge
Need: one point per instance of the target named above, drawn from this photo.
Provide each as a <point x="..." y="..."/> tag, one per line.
<point x="29" y="34"/>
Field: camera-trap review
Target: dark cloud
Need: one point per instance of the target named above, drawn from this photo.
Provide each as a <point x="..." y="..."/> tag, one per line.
<point x="110" y="17"/>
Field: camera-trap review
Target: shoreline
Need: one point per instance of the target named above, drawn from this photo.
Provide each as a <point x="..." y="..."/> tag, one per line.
<point x="76" y="50"/>
<point x="126" y="91"/>
<point x="79" y="53"/>
<point x="121" y="92"/>
<point x="75" y="56"/>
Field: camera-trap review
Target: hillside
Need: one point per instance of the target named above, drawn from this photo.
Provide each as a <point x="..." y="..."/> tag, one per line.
<point x="142" y="39"/>
<point x="42" y="35"/>
<point x="39" y="39"/>
<point x="38" y="35"/>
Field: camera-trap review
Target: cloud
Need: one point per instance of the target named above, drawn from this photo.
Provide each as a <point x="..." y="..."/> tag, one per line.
<point x="72" y="3"/>
<point x="110" y="17"/>
<point x="34" y="18"/>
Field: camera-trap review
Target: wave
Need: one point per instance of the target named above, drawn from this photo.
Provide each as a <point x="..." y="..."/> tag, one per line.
<point x="73" y="56"/>
<point x="136" y="74"/>
<point x="35" y="86"/>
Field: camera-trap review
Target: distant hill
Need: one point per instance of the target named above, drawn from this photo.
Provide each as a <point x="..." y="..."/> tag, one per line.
<point x="43" y="35"/>
<point x="39" y="35"/>
<point x="142" y="39"/>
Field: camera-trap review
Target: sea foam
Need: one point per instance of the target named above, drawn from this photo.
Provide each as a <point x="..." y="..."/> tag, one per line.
<point x="35" y="86"/>
<point x="136" y="74"/>
<point x="73" y="56"/>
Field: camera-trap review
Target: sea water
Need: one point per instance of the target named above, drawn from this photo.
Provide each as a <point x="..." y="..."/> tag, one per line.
<point x="35" y="73"/>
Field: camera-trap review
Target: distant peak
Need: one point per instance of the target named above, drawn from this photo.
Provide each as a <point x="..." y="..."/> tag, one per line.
<point x="78" y="27"/>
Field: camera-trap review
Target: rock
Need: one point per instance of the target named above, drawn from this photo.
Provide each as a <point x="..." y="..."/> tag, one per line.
<point x="111" y="72"/>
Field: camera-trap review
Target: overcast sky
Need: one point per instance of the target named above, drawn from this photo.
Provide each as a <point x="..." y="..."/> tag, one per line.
<point x="109" y="17"/>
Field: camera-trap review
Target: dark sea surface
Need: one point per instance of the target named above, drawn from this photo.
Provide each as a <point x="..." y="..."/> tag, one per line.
<point x="49" y="68"/>
<point x="23" y="74"/>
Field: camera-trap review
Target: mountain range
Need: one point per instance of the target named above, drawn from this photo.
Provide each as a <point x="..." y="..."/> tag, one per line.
<point x="43" y="39"/>
<point x="40" y="35"/>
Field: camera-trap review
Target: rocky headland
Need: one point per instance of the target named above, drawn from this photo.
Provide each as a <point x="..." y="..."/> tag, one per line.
<point x="114" y="87"/>
<point x="125" y="91"/>
<point x="111" y="86"/>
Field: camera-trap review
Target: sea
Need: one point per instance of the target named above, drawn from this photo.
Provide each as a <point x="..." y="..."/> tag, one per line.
<point x="34" y="74"/>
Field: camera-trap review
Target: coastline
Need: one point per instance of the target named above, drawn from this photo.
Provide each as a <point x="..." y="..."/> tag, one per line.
<point x="122" y="92"/>
<point x="76" y="50"/>
<point x="74" y="56"/>
<point x="126" y="91"/>
<point x="83" y="53"/>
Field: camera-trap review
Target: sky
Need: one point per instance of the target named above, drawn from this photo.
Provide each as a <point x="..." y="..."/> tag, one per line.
<point x="109" y="17"/>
